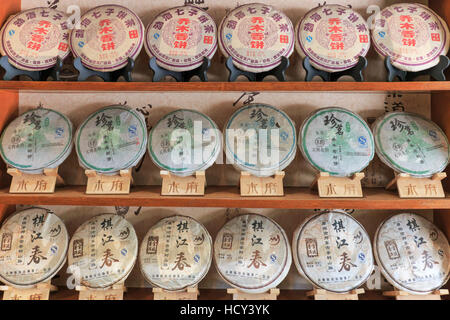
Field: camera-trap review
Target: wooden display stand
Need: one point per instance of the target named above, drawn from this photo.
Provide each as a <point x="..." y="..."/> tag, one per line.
<point x="41" y="291"/>
<point x="403" y="295"/>
<point x="252" y="186"/>
<point x="34" y="183"/>
<point x="338" y="187"/>
<point x="190" y="293"/>
<point x="115" y="292"/>
<point x="412" y="187"/>
<point x="173" y="185"/>
<point x="272" y="294"/>
<point x="321" y="294"/>
<point x="104" y="184"/>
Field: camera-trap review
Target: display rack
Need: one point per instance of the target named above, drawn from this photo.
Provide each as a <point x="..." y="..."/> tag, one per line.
<point x="225" y="196"/>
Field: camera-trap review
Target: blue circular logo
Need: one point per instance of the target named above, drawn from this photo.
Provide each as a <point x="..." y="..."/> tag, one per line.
<point x="59" y="132"/>
<point x="196" y="258"/>
<point x="156" y="36"/>
<point x="382" y="34"/>
<point x="362" y="140"/>
<point x="361" y="257"/>
<point x="81" y="44"/>
<point x="309" y="38"/>
<point x="273" y="257"/>
<point x="54" y="249"/>
<point x="124" y="252"/>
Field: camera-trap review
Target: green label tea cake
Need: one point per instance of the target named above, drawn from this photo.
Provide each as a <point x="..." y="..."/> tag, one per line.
<point x="184" y="141"/>
<point x="38" y="139"/>
<point x="410" y="143"/>
<point x="336" y="141"/>
<point x="111" y="139"/>
<point x="260" y="139"/>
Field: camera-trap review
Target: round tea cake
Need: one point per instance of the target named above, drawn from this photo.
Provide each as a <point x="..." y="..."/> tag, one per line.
<point x="2" y="52"/>
<point x="412" y="253"/>
<point x="412" y="35"/>
<point x="410" y="143"/>
<point x="184" y="141"/>
<point x="333" y="251"/>
<point x="33" y="247"/>
<point x="104" y="250"/>
<point x="337" y="141"/>
<point x="252" y="253"/>
<point x="107" y="37"/>
<point x="111" y="139"/>
<point x="333" y="37"/>
<point x="38" y="139"/>
<point x="176" y="253"/>
<point x="181" y="37"/>
<point x="256" y="36"/>
<point x="35" y="38"/>
<point x="260" y="139"/>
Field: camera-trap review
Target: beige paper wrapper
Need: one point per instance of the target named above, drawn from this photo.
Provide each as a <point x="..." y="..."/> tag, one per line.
<point x="103" y="251"/>
<point x="252" y="253"/>
<point x="413" y="254"/>
<point x="176" y="253"/>
<point x="33" y="247"/>
<point x="333" y="251"/>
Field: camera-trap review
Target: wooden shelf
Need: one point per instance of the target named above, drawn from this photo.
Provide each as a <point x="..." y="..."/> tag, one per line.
<point x="207" y="294"/>
<point x="224" y="197"/>
<point x="297" y="86"/>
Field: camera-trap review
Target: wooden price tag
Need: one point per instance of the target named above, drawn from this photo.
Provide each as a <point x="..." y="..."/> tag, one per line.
<point x="190" y="293"/>
<point x="115" y="292"/>
<point x="403" y="295"/>
<point x="34" y="183"/>
<point x="412" y="187"/>
<point x="252" y="186"/>
<point x="338" y="187"/>
<point x="272" y="294"/>
<point x="320" y="294"/>
<point x="105" y="184"/>
<point x="173" y="185"/>
<point x="41" y="291"/>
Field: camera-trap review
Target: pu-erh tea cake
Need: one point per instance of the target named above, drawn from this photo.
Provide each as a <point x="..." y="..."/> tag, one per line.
<point x="336" y="141"/>
<point x="333" y="37"/>
<point x="176" y="253"/>
<point x="107" y="36"/>
<point x="184" y="141"/>
<point x="111" y="139"/>
<point x="256" y="36"/>
<point x="33" y="247"/>
<point x="33" y="39"/>
<point x="410" y="143"/>
<point x="260" y="139"/>
<point x="103" y="251"/>
<point x="412" y="253"/>
<point x="38" y="139"/>
<point x="179" y="38"/>
<point x="412" y="35"/>
<point x="332" y="250"/>
<point x="252" y="253"/>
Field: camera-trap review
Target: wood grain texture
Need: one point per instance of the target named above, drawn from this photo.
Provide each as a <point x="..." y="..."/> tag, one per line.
<point x="225" y="197"/>
<point x="292" y="86"/>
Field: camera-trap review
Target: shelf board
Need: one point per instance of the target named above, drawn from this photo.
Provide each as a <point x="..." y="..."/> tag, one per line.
<point x="206" y="294"/>
<point x="224" y="197"/>
<point x="296" y="86"/>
